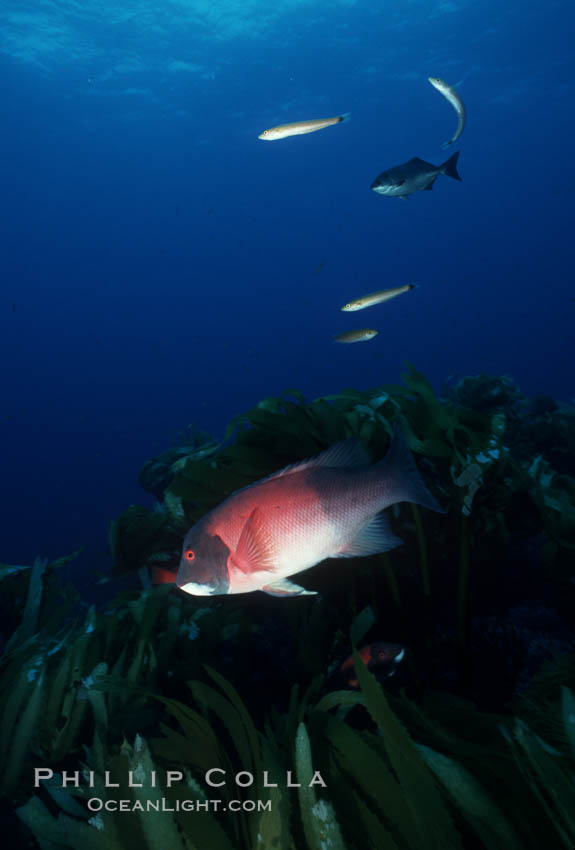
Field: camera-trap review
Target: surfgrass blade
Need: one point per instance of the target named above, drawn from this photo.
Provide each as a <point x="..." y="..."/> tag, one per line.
<point x="363" y="768"/>
<point x="435" y="827"/>
<point x="473" y="801"/>
<point x="318" y="816"/>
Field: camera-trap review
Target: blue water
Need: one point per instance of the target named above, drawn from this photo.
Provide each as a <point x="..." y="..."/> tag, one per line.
<point x="162" y="266"/>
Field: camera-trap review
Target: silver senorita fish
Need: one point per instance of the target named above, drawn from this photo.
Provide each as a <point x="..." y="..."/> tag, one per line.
<point x="451" y="95"/>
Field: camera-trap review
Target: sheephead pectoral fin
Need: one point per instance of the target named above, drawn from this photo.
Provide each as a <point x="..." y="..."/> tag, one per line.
<point x="375" y="536"/>
<point x="284" y="587"/>
<point x="254" y="552"/>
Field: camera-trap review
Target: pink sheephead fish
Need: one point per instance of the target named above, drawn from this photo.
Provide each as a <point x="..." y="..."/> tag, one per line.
<point x="326" y="507"/>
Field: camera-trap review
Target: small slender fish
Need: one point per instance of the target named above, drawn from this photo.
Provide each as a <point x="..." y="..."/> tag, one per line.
<point x="299" y="128"/>
<point x="319" y="267"/>
<point x="451" y="95"/>
<point x="361" y="335"/>
<point x="376" y="298"/>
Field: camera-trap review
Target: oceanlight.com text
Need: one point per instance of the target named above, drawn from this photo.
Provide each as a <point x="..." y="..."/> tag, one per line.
<point x="97" y="804"/>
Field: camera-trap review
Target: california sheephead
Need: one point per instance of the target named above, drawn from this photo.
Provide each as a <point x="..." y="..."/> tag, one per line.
<point x="329" y="506"/>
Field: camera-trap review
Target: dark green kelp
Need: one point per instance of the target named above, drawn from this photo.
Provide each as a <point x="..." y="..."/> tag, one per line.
<point x="394" y="784"/>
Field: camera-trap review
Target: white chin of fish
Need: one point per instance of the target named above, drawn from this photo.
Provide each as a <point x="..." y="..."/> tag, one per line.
<point x="197" y="589"/>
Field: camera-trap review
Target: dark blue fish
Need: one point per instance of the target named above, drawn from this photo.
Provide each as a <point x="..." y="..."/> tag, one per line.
<point x="413" y="176"/>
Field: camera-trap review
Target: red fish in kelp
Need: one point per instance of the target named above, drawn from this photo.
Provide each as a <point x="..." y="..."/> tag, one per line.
<point x="159" y="575"/>
<point x="325" y="507"/>
<point x="383" y="657"/>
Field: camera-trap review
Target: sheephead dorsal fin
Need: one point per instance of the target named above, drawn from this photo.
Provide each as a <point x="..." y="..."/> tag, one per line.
<point x="347" y="453"/>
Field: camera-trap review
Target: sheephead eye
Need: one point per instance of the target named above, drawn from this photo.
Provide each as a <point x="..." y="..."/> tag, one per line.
<point x="189" y="554"/>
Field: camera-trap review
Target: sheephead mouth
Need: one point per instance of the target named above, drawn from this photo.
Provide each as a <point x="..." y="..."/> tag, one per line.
<point x="195" y="589"/>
